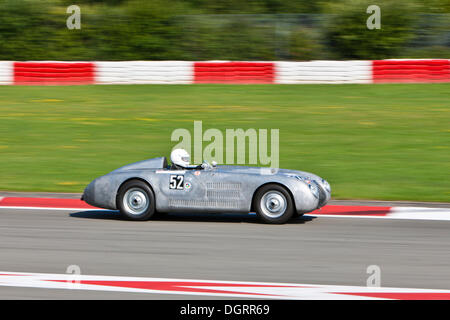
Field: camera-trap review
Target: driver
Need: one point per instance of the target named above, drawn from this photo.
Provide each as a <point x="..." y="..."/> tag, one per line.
<point x="180" y="160"/>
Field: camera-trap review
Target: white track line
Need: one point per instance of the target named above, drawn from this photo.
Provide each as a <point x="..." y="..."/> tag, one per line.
<point x="400" y="213"/>
<point x="397" y="213"/>
<point x="418" y="213"/>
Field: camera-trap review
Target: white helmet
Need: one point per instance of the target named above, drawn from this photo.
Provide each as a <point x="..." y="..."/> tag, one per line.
<point x="180" y="157"/>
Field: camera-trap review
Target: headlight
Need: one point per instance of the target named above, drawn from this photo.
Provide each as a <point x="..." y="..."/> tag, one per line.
<point x="314" y="189"/>
<point x="326" y="185"/>
<point x="311" y="184"/>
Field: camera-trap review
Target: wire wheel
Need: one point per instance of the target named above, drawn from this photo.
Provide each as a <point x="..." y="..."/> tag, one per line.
<point x="273" y="204"/>
<point x="136" y="201"/>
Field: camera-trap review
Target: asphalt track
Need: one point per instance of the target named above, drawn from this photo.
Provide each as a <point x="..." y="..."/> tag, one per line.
<point x="332" y="251"/>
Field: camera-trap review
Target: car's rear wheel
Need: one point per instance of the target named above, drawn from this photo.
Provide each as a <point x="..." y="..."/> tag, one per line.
<point x="136" y="200"/>
<point x="273" y="204"/>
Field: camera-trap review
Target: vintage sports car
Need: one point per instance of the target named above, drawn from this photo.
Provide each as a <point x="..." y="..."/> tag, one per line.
<point x="142" y="189"/>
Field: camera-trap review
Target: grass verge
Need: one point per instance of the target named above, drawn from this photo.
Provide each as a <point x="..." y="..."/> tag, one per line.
<point x="389" y="142"/>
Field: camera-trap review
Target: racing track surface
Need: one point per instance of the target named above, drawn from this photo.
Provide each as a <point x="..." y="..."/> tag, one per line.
<point x="332" y="251"/>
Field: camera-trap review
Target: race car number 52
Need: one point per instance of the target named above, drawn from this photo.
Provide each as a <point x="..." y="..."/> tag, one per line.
<point x="176" y="182"/>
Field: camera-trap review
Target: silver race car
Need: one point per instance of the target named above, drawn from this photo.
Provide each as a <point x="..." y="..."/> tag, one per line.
<point x="142" y="189"/>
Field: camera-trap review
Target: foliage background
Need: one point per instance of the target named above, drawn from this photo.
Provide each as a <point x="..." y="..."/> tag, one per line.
<point x="228" y="30"/>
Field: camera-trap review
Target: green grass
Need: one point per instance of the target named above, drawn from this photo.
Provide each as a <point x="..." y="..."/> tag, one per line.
<point x="388" y="142"/>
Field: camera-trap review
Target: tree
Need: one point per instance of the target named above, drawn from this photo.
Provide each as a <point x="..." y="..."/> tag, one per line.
<point x="349" y="36"/>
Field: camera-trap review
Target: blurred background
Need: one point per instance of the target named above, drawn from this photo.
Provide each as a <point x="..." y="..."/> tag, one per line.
<point x="76" y="104"/>
<point x="223" y="30"/>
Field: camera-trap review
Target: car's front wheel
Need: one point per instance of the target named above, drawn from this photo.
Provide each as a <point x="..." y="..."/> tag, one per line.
<point x="274" y="204"/>
<point x="136" y="200"/>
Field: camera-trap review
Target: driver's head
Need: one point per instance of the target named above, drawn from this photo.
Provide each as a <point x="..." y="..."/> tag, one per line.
<point x="180" y="157"/>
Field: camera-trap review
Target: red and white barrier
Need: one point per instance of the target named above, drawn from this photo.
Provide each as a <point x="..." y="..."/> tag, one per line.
<point x="53" y="73"/>
<point x="144" y="72"/>
<point x="408" y="71"/>
<point x="323" y="72"/>
<point x="6" y="72"/>
<point x="233" y="72"/>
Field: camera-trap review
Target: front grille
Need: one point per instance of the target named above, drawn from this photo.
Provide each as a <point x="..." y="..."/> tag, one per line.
<point x="322" y="196"/>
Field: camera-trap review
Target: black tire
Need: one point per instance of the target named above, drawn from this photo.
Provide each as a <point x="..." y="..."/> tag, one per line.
<point x="136" y="200"/>
<point x="273" y="194"/>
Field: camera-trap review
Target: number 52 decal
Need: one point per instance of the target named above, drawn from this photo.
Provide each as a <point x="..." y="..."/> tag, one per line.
<point x="176" y="182"/>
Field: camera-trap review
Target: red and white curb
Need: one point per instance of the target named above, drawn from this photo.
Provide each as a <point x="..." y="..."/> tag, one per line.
<point x="236" y="72"/>
<point x="405" y="213"/>
<point x="232" y="289"/>
<point x="44" y="203"/>
<point x="414" y="213"/>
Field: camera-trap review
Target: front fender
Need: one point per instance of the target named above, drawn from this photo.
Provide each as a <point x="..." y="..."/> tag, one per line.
<point x="102" y="191"/>
<point x="303" y="198"/>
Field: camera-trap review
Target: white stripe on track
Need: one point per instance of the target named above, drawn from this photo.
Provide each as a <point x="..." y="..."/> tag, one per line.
<point x="418" y="213"/>
<point x="202" y="287"/>
<point x="399" y="213"/>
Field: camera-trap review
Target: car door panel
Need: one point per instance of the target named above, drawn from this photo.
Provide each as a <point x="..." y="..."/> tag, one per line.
<point x="202" y="191"/>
